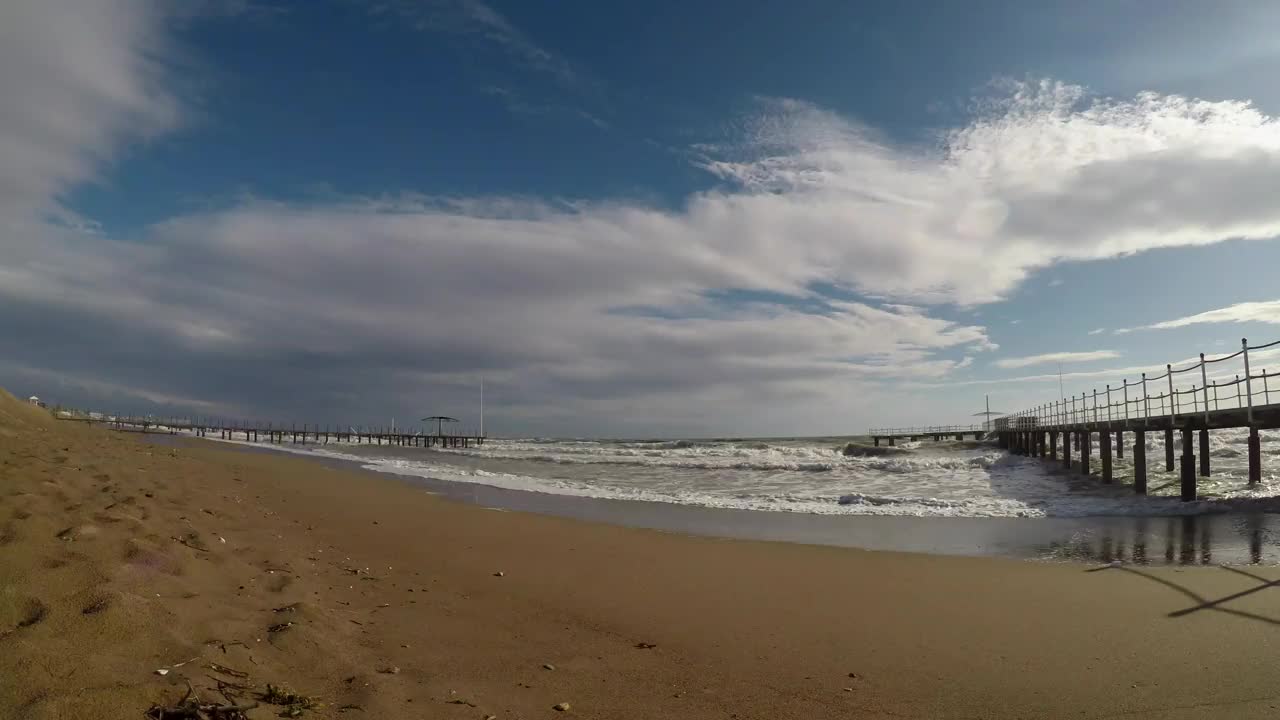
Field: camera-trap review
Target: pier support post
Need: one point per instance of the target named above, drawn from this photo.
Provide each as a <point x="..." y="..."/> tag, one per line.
<point x="1188" y="466"/>
<point x="1066" y="449"/>
<point x="1140" y="462"/>
<point x="876" y="441"/>
<point x="1043" y="441"/>
<point x="1104" y="442"/>
<point x="890" y="441"/>
<point x="1168" y="449"/>
<point x="1086" y="439"/>
<point x="1053" y="444"/>
<point x="1255" y="457"/>
<point x="1204" y="453"/>
<point x="1119" y="443"/>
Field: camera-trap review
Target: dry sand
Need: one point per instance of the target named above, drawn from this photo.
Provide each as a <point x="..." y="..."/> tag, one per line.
<point x="119" y="557"/>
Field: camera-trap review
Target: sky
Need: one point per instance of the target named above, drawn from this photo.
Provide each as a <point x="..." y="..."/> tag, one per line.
<point x="630" y="219"/>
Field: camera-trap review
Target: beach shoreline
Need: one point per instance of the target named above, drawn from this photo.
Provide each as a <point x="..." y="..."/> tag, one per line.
<point x="123" y="557"/>
<point x="1239" y="538"/>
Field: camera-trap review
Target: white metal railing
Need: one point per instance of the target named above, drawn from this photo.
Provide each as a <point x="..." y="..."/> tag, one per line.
<point x="1178" y="394"/>
<point x="928" y="430"/>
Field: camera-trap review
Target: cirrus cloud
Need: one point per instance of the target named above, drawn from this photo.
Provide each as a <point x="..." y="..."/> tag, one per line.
<point x="1058" y="357"/>
<point x="1267" y="311"/>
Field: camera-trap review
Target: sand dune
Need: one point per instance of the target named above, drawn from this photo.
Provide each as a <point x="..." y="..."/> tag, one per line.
<point x="231" y="570"/>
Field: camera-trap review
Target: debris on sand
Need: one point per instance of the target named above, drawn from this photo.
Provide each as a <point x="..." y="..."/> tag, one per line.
<point x="293" y="703"/>
<point x="190" y="707"/>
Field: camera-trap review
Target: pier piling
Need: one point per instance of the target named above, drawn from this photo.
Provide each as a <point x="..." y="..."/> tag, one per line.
<point x="1140" y="462"/>
<point x="1255" y="457"/>
<point x="1204" y="452"/>
<point x="1104" y="442"/>
<point x="1188" y="466"/>
<point x="1085" y="450"/>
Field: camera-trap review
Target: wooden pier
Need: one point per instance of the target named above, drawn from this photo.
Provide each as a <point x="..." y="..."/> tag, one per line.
<point x="1164" y="405"/>
<point x="278" y="434"/>
<point x="935" y="432"/>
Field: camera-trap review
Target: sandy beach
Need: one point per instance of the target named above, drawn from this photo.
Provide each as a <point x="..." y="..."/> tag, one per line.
<point x="230" y="570"/>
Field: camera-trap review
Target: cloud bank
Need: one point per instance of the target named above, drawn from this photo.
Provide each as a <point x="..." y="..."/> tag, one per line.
<point x="1264" y="312"/>
<point x="605" y="316"/>
<point x="1058" y="357"/>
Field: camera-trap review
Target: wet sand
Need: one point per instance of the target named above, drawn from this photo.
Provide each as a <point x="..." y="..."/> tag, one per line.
<point x="119" y="557"/>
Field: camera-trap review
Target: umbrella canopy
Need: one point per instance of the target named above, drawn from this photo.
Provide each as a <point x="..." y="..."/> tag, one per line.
<point x="440" y="420"/>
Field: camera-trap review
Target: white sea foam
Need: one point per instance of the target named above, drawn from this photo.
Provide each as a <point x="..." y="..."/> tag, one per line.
<point x="814" y="476"/>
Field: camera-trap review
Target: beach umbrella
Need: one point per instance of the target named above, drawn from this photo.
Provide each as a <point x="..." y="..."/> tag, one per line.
<point x="440" y="420"/>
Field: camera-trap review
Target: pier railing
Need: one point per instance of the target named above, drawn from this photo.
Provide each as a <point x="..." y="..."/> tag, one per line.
<point x="1222" y="385"/>
<point x="253" y="429"/>
<point x="928" y="430"/>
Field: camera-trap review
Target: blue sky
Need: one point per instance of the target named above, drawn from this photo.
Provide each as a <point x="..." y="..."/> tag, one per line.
<point x="664" y="218"/>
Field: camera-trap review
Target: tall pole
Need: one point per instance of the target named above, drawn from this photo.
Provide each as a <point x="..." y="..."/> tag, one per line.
<point x="482" y="406"/>
<point x="1061" y="393"/>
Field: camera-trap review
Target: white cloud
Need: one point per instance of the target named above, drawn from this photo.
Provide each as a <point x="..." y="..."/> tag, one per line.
<point x="76" y="81"/>
<point x="1263" y="312"/>
<point x="1058" y="357"/>
<point x="596" y="309"/>
<point x="1097" y="331"/>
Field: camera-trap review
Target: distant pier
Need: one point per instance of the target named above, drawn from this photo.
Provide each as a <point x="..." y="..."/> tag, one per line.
<point x="278" y="434"/>
<point x="937" y="432"/>
<point x="1182" y="404"/>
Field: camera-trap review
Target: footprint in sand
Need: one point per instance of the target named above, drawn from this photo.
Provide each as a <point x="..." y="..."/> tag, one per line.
<point x="144" y="556"/>
<point x="21" y="614"/>
<point x="95" y="601"/>
<point x="77" y="532"/>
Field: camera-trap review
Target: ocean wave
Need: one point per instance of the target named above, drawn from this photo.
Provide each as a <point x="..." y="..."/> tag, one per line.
<point x="861" y="450"/>
<point x="929" y="482"/>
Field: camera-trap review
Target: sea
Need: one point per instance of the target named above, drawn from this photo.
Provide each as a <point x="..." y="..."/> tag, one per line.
<point x="962" y="497"/>
<point x="830" y="475"/>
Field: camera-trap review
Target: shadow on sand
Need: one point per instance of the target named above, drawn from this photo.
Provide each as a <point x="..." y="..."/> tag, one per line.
<point x="1203" y="603"/>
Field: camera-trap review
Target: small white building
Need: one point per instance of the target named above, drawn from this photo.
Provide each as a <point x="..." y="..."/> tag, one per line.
<point x="35" y="401"/>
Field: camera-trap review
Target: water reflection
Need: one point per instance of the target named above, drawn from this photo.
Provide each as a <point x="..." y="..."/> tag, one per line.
<point x="1234" y="539"/>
